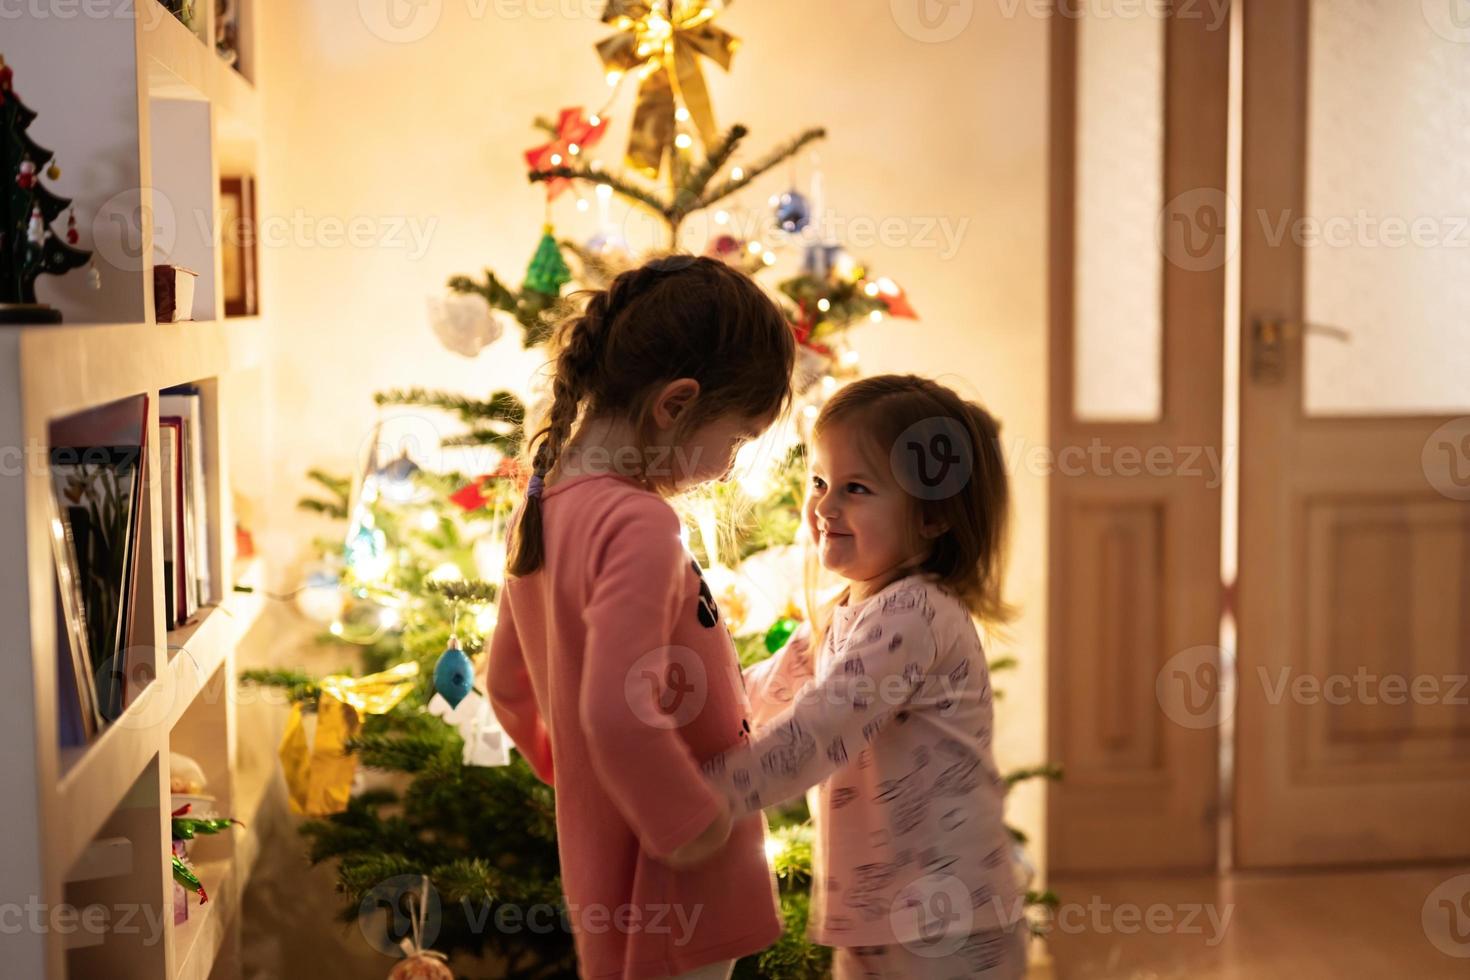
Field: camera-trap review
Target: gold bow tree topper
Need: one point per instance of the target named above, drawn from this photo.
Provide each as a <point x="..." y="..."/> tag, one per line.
<point x="660" y="43"/>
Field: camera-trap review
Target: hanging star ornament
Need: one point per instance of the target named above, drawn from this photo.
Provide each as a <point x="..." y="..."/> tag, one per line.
<point x="575" y="132"/>
<point x="661" y="43"/>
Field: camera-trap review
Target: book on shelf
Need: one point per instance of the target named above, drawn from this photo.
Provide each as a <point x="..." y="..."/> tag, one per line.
<point x="170" y="469"/>
<point x="96" y="462"/>
<point x="188" y="547"/>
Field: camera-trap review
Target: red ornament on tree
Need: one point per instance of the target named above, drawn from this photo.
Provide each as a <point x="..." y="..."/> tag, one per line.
<point x="26" y="179"/>
<point x="574" y="133"/>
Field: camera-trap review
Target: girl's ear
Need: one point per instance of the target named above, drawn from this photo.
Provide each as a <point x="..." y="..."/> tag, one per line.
<point x="933" y="529"/>
<point x="673" y="401"/>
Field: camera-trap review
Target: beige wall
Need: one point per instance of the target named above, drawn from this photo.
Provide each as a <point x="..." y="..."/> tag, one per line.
<point x="429" y="133"/>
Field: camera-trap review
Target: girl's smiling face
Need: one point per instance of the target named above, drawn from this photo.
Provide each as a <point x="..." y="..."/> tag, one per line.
<point x="864" y="524"/>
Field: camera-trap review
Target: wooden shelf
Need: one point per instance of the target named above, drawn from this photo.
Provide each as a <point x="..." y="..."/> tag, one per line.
<point x="179" y="65"/>
<point x="100" y="776"/>
<point x="154" y="116"/>
<point x="197" y="941"/>
<point x="68" y="368"/>
<point x="197" y="650"/>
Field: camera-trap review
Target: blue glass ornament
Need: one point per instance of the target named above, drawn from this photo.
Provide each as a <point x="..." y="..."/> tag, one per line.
<point x="454" y="674"/>
<point x="793" y="212"/>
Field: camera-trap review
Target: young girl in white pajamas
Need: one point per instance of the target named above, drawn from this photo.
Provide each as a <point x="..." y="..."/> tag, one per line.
<point x="891" y="718"/>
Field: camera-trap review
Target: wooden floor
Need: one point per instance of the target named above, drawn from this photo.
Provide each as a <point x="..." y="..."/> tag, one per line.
<point x="1304" y="926"/>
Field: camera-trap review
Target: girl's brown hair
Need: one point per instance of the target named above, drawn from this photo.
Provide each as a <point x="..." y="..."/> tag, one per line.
<point x="968" y="556"/>
<point x="675" y="317"/>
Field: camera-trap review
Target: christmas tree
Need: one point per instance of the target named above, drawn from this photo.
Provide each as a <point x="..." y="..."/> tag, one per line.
<point x="28" y="246"/>
<point x="416" y="582"/>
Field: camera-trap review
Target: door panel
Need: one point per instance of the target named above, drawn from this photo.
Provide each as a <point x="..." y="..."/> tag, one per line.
<point x="1136" y="407"/>
<point x="1353" y="730"/>
<point x="1387" y="211"/>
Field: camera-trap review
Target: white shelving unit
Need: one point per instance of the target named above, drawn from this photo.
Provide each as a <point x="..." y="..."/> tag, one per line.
<point x="143" y="116"/>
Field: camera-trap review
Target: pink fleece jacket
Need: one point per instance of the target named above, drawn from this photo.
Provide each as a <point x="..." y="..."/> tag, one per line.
<point x="614" y="675"/>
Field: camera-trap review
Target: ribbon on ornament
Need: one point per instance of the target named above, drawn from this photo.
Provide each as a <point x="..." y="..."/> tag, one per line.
<point x="573" y="129"/>
<point x="319" y="773"/>
<point x="662" y="41"/>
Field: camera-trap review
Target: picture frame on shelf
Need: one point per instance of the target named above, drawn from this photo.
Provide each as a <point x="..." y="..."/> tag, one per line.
<point x="96" y="462"/>
<point x="238" y="226"/>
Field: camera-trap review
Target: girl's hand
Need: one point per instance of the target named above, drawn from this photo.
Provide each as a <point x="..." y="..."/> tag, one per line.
<point x="706" y="845"/>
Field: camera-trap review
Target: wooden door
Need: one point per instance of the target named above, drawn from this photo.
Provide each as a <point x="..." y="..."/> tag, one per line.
<point x="1139" y="109"/>
<point x="1353" y="724"/>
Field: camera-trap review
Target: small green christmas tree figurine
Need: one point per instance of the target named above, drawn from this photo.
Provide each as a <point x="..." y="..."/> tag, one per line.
<point x="28" y="246"/>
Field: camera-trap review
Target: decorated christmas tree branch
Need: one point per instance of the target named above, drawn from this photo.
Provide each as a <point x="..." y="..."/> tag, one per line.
<point x="774" y="159"/>
<point x="299" y="687"/>
<point x="626" y="188"/>
<point x="340" y="489"/>
<point x="468" y="590"/>
<point x="496" y="293"/>
<point x="686" y="198"/>
<point x="1032" y="772"/>
<point x="501" y="406"/>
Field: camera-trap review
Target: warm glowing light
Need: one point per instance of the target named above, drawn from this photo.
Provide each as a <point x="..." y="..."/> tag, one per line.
<point x="336" y="628"/>
<point x="829" y="384"/>
<point x="756" y="247"/>
<point x="737" y="173"/>
<point x="485" y="620"/>
<point x="871" y="289"/>
<point x="849" y="358"/>
<point x="889" y="287"/>
<point x="573" y="149"/>
<point x="810" y="411"/>
<point x="683" y="141"/>
<point x="604" y="191"/>
<point x="613" y="77"/>
<point x="681" y="114"/>
<point x="769" y="258"/>
<point x="595" y="120"/>
<point x="773" y="849"/>
<point x="556" y="159"/>
<point x="876" y="316"/>
<point x="428" y="520"/>
<point x="582" y="204"/>
<point x="774" y="200"/>
<point x="447" y="572"/>
<point x="722" y="217"/>
<point x="824" y="304"/>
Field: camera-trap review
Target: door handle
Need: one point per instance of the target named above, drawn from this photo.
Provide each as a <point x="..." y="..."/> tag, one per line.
<point x="1269" y="338"/>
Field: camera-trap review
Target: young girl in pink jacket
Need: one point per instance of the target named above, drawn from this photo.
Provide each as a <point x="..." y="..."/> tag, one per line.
<point x="887" y="709"/>
<point x="610" y="667"/>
